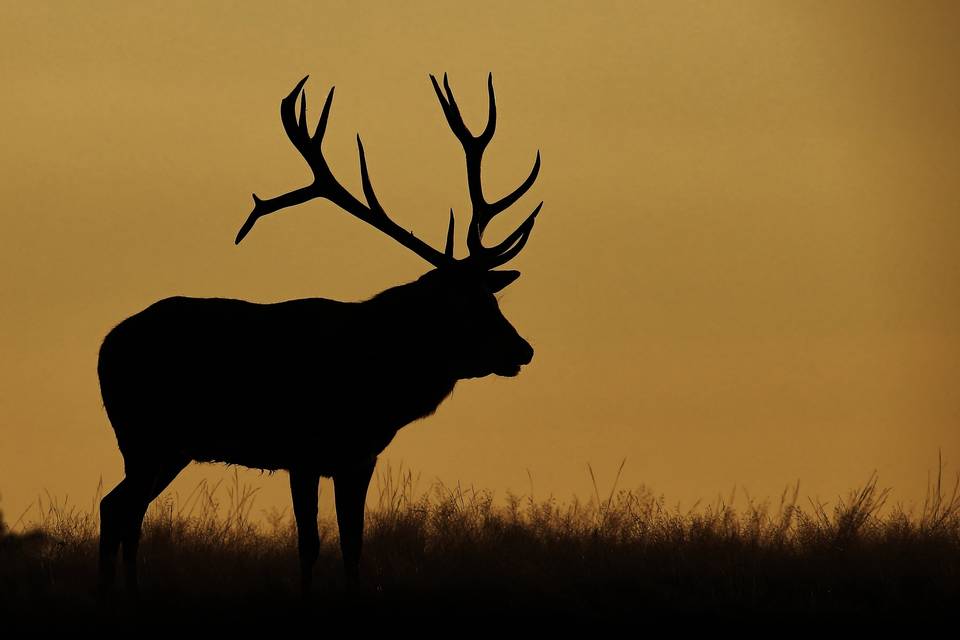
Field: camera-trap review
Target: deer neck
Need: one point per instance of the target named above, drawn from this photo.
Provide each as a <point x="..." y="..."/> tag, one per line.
<point x="400" y="324"/>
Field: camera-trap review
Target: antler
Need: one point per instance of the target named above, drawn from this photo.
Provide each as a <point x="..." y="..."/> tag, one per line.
<point x="483" y="211"/>
<point x="326" y="186"/>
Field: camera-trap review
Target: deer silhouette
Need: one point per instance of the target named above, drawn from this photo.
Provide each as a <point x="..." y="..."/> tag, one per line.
<point x="314" y="386"/>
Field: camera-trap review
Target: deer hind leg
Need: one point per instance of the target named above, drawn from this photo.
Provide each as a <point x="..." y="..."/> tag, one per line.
<point x="121" y="517"/>
<point x="350" y="489"/>
<point x="303" y="487"/>
<point x="142" y="492"/>
<point x="112" y="509"/>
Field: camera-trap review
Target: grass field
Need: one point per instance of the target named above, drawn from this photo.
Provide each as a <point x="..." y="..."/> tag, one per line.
<point x="451" y="553"/>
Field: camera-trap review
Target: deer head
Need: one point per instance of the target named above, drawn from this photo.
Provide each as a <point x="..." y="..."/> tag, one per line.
<point x="460" y="292"/>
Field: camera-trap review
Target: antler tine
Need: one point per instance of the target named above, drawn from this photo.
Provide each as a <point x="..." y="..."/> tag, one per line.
<point x="517" y="239"/>
<point x="325" y="185"/>
<point x="448" y="248"/>
<point x="487" y="134"/>
<point x="483" y="211"/>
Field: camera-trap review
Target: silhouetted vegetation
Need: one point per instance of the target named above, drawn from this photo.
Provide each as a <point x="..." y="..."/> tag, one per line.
<point x="455" y="552"/>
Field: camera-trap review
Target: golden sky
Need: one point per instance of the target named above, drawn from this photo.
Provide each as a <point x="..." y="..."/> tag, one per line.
<point x="745" y="272"/>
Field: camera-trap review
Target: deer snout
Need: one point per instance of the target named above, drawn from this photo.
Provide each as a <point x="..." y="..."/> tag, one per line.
<point x="525" y="352"/>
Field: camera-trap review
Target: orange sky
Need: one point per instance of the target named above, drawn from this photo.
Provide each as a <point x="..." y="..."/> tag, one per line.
<point x="745" y="272"/>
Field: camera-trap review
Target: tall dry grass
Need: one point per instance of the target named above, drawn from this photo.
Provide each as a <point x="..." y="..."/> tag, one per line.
<point x="620" y="552"/>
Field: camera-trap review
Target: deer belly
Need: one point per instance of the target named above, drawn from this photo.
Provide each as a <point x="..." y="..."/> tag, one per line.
<point x="284" y="447"/>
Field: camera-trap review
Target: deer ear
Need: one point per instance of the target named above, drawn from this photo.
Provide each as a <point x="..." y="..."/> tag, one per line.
<point x="497" y="280"/>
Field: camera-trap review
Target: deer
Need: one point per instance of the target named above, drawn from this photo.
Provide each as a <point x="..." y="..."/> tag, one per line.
<point x="313" y="386"/>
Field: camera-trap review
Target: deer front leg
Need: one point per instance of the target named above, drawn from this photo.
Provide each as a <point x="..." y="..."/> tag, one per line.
<point x="304" y="485"/>
<point x="350" y="489"/>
